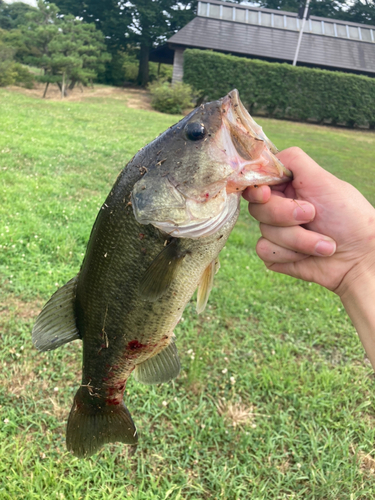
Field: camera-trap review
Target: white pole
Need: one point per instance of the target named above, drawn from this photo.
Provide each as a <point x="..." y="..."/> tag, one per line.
<point x="301" y="31"/>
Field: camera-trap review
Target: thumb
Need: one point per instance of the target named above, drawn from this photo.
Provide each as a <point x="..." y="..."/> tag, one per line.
<point x="301" y="165"/>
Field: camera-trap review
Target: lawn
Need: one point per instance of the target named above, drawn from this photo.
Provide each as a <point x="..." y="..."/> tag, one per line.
<point x="274" y="399"/>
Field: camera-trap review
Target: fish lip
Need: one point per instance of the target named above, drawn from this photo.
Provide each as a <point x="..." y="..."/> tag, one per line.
<point x="238" y="115"/>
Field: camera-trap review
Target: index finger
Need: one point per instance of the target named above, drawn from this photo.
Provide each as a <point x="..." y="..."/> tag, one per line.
<point x="257" y="194"/>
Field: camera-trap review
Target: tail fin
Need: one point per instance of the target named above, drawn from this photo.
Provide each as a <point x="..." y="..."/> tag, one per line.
<point x="91" y="426"/>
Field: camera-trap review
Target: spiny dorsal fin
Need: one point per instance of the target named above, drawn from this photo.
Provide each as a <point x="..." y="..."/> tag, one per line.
<point x="162" y="367"/>
<point x="56" y="324"/>
<point x="206" y="284"/>
<point x="161" y="272"/>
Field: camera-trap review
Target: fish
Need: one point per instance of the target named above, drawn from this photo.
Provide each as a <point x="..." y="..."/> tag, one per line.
<point x="156" y="239"/>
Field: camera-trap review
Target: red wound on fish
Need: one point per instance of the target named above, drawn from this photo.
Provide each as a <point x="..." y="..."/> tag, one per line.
<point x="135" y="344"/>
<point x="112" y="401"/>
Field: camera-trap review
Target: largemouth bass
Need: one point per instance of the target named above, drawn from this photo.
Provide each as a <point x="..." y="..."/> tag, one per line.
<point x="155" y="240"/>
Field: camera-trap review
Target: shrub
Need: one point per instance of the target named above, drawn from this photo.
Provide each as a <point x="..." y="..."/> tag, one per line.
<point x="163" y="73"/>
<point x="24" y="78"/>
<point x="282" y="90"/>
<point x="172" y="99"/>
<point x="7" y="73"/>
<point x="12" y="73"/>
<point x="131" y="65"/>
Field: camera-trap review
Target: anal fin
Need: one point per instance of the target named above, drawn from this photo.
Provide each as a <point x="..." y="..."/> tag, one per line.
<point x="56" y="324"/>
<point x="161" y="368"/>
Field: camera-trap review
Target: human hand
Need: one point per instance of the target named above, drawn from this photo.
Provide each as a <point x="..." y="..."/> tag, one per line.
<point x="317" y="227"/>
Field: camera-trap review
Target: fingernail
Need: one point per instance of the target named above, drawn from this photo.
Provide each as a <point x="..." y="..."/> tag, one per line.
<point x="325" y="248"/>
<point x="304" y="213"/>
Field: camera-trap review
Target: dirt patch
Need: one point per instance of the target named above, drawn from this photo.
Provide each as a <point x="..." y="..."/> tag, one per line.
<point x="12" y="307"/>
<point x="366" y="461"/>
<point x="135" y="97"/>
<point x="236" y="414"/>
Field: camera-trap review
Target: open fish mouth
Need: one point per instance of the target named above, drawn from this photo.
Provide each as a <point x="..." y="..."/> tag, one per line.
<point x="224" y="151"/>
<point x="249" y="151"/>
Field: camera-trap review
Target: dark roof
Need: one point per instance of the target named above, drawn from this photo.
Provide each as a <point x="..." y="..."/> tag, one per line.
<point x="276" y="44"/>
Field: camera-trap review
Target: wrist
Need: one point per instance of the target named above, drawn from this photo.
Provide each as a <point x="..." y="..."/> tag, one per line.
<point x="357" y="294"/>
<point x="359" y="281"/>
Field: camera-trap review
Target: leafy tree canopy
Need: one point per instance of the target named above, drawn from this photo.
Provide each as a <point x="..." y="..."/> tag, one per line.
<point x="67" y="49"/>
<point x="362" y="11"/>
<point x="14" y="15"/>
<point x="144" y="23"/>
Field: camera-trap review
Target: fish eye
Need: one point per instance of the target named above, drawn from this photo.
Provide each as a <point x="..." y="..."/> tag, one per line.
<point x="195" y="131"/>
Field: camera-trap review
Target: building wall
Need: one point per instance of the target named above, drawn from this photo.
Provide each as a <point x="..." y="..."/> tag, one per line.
<point x="276" y="44"/>
<point x="178" y="65"/>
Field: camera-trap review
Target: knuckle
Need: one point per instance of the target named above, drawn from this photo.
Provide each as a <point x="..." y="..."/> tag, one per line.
<point x="275" y="214"/>
<point x="296" y="150"/>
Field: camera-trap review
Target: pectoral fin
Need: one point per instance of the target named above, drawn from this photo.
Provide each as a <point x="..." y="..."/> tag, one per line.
<point x="162" y="367"/>
<point x="56" y="324"/>
<point x="161" y="272"/>
<point x="206" y="284"/>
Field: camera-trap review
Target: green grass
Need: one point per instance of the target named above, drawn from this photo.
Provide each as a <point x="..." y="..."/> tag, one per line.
<point x="274" y="400"/>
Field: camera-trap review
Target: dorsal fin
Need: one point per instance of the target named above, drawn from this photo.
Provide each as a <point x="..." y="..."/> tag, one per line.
<point x="162" y="367"/>
<point x="161" y="272"/>
<point x="56" y="324"/>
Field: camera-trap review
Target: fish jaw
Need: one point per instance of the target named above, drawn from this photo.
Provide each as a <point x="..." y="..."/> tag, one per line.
<point x="247" y="148"/>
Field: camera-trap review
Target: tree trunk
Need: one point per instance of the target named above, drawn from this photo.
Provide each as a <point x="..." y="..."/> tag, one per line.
<point x="60" y="87"/>
<point x="72" y="84"/>
<point x="143" y="65"/>
<point x="63" y="86"/>
<point x="45" y="90"/>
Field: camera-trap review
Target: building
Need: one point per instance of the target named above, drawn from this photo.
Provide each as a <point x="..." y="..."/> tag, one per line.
<point x="272" y="35"/>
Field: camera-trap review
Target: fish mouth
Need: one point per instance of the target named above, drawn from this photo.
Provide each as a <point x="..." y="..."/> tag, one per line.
<point x="249" y="151"/>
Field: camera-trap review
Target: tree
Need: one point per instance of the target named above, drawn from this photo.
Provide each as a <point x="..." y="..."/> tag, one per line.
<point x="362" y="11"/>
<point x="14" y="15"/>
<point x="111" y="17"/>
<point x="78" y="52"/>
<point x="67" y="49"/>
<point x="141" y="23"/>
<point x="152" y="23"/>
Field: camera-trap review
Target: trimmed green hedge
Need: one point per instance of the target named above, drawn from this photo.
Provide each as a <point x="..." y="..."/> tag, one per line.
<point x="282" y="90"/>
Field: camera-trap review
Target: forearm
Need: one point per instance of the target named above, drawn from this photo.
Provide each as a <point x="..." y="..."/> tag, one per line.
<point x="359" y="302"/>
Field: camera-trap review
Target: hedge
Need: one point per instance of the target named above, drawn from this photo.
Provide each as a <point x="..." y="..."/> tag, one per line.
<point x="282" y="90"/>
